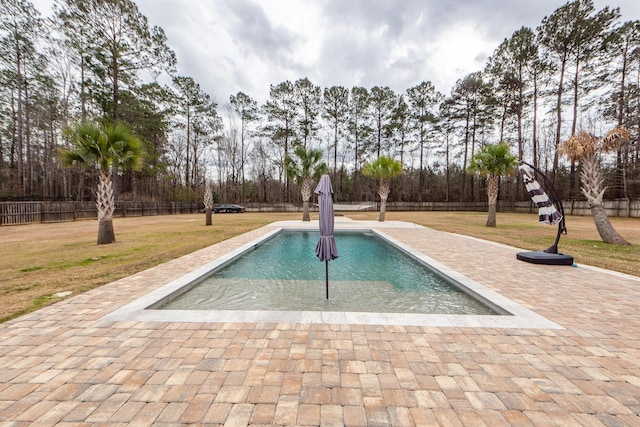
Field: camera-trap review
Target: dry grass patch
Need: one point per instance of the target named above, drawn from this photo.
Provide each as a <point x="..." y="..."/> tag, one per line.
<point x="42" y="263"/>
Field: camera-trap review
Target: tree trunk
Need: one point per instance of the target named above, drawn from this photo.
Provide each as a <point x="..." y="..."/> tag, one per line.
<point x="305" y="192"/>
<point x="463" y="181"/>
<point x="605" y="229"/>
<point x="521" y="101"/>
<point x="592" y="180"/>
<point x="106" y="234"/>
<point x="105" y="208"/>
<point x="335" y="147"/>
<point x="116" y="80"/>
<point x="421" y="175"/>
<point x="383" y="192"/>
<point x="492" y="193"/>
<point x="558" y="119"/>
<point x="20" y="121"/>
<point x="83" y="96"/>
<point x="208" y="203"/>
<point x="383" y="209"/>
<point x="534" y="135"/>
<point x="305" y="211"/>
<point x="621" y="159"/>
<point x="188" y="146"/>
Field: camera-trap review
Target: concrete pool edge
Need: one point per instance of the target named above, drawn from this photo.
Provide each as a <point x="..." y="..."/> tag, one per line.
<point x="520" y="317"/>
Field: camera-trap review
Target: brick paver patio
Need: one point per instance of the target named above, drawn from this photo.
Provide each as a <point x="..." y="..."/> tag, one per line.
<point x="65" y="365"/>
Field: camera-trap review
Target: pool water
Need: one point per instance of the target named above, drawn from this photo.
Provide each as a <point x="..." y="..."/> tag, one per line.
<point x="370" y="275"/>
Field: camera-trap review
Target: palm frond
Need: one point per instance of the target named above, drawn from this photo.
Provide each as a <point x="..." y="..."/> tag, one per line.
<point x="103" y="145"/>
<point x="614" y="138"/>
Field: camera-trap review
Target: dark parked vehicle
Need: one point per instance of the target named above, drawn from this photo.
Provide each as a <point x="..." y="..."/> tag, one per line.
<point x="228" y="209"/>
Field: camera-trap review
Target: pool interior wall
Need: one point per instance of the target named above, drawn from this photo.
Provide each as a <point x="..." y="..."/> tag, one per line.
<point x="510" y="314"/>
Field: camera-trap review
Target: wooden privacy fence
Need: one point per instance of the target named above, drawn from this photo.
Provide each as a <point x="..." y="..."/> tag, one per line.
<point x="620" y="207"/>
<point x="614" y="208"/>
<point x="30" y="212"/>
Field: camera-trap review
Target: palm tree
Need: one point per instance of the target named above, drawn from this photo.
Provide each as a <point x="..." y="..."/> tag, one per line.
<point x="208" y="203"/>
<point x="106" y="146"/>
<point x="384" y="169"/>
<point x="305" y="169"/>
<point x="493" y="161"/>
<point x="585" y="148"/>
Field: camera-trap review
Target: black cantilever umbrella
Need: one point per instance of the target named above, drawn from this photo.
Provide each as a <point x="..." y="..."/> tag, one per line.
<point x="326" y="249"/>
<point x="550" y="211"/>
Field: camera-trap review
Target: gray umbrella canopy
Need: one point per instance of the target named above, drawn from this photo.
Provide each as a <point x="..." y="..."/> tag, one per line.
<point x="326" y="248"/>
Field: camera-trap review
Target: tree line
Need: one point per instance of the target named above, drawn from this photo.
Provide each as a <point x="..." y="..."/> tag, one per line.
<point x="102" y="61"/>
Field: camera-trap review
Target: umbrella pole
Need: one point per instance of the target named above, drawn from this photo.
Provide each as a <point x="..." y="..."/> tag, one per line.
<point x="326" y="275"/>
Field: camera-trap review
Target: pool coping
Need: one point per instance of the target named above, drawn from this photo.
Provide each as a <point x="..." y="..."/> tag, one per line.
<point x="520" y="316"/>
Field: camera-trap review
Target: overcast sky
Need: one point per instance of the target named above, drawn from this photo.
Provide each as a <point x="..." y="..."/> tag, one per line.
<point x="229" y="46"/>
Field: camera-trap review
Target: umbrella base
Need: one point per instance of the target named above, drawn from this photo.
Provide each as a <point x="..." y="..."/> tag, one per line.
<point x="541" y="257"/>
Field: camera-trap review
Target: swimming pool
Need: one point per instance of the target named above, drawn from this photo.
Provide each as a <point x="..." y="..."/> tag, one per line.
<point x="371" y="275"/>
<point x="144" y="308"/>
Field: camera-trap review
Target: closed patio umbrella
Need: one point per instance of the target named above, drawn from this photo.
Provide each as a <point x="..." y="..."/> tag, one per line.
<point x="547" y="212"/>
<point x="326" y="249"/>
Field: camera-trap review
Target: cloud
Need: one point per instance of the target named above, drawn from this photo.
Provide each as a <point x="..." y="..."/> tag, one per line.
<point x="400" y="44"/>
<point x="253" y="33"/>
<point x="374" y="17"/>
<point x="229" y="46"/>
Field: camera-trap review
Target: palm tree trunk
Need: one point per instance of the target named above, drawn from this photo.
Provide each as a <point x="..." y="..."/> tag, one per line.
<point x="208" y="203"/>
<point x="492" y="193"/>
<point x="305" y="191"/>
<point x="383" y="209"/>
<point x="592" y="180"/>
<point x="604" y="227"/>
<point x="383" y="192"/>
<point x="106" y="234"/>
<point x="305" y="211"/>
<point x="105" y="208"/>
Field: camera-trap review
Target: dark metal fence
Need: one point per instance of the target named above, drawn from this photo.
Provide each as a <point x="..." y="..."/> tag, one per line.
<point x="30" y="212"/>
